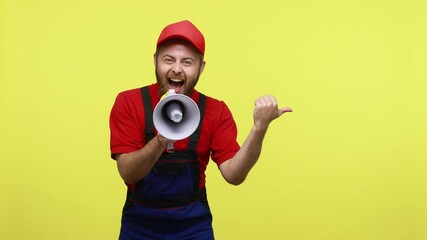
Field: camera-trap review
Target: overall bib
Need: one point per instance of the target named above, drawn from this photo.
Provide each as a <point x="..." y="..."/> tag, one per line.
<point x="168" y="203"/>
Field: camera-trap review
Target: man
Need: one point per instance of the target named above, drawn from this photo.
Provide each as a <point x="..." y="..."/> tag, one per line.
<point x="166" y="191"/>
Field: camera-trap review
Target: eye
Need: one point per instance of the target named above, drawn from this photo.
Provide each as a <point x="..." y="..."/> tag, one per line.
<point x="168" y="60"/>
<point x="187" y="62"/>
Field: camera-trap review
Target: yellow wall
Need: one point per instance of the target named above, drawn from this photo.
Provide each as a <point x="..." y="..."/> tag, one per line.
<point x="349" y="163"/>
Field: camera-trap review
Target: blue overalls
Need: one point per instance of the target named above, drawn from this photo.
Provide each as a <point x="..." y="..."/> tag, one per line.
<point x="167" y="203"/>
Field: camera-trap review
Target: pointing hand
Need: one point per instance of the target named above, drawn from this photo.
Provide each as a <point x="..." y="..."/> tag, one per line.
<point x="266" y="110"/>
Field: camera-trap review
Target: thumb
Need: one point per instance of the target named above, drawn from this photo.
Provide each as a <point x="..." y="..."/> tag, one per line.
<point x="284" y="110"/>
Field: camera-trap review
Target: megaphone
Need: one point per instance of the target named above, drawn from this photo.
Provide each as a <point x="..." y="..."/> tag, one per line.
<point x="176" y="117"/>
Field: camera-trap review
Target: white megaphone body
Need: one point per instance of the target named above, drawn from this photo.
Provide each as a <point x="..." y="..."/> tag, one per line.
<point x="176" y="117"/>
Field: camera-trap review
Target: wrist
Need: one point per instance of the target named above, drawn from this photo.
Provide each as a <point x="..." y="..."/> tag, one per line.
<point x="260" y="128"/>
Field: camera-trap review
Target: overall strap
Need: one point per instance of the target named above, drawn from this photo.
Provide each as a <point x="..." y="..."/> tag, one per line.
<point x="194" y="138"/>
<point x="148" y="110"/>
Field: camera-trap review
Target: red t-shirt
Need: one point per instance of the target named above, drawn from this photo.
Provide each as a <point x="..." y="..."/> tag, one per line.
<point x="217" y="139"/>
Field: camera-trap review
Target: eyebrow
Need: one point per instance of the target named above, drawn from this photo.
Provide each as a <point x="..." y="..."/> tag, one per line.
<point x="185" y="58"/>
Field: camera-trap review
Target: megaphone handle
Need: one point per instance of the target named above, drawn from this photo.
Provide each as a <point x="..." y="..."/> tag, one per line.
<point x="170" y="148"/>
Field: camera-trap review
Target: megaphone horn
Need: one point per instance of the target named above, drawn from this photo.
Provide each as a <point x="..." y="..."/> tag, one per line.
<point x="176" y="116"/>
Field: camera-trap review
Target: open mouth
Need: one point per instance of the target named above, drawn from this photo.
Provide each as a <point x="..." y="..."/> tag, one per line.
<point x="175" y="83"/>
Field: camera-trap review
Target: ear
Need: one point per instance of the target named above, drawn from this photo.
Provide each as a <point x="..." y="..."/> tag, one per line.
<point x="202" y="67"/>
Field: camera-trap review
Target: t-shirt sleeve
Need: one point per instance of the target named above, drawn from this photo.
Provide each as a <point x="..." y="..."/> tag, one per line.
<point x="125" y="131"/>
<point x="224" y="138"/>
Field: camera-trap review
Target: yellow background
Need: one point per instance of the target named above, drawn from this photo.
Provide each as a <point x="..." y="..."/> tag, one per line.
<point x="349" y="163"/>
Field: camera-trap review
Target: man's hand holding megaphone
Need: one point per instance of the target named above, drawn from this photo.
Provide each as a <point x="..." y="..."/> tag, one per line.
<point x="165" y="141"/>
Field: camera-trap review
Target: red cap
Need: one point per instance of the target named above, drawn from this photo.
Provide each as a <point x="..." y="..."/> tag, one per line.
<point x="183" y="30"/>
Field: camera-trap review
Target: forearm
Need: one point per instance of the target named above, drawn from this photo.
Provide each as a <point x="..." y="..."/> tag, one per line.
<point x="134" y="166"/>
<point x="237" y="168"/>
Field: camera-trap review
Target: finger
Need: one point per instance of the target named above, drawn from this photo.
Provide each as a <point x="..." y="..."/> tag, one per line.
<point x="165" y="139"/>
<point x="266" y="100"/>
<point x="284" y="110"/>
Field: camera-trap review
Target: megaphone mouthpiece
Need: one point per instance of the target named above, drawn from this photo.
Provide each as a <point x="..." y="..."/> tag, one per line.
<point x="174" y="110"/>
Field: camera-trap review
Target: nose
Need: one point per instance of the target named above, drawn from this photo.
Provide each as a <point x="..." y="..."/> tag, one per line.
<point x="177" y="68"/>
